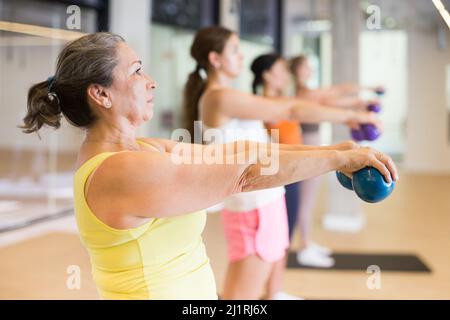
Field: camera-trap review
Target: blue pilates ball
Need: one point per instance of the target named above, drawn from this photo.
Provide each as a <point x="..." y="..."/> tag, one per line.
<point x="370" y="186"/>
<point x="345" y="181"/>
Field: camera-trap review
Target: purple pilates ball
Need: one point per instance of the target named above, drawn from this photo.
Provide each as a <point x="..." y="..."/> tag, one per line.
<point x="374" y="107"/>
<point x="358" y="135"/>
<point x="371" y="132"/>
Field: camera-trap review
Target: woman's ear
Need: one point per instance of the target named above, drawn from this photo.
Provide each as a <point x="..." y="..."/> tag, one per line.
<point x="99" y="96"/>
<point x="214" y="59"/>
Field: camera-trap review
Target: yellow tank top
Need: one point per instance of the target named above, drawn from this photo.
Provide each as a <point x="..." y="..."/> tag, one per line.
<point x="164" y="258"/>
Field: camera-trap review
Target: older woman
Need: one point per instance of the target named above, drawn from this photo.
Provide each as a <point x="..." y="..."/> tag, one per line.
<point x="139" y="212"/>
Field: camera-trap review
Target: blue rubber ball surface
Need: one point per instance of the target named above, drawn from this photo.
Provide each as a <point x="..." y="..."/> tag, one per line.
<point x="370" y="186"/>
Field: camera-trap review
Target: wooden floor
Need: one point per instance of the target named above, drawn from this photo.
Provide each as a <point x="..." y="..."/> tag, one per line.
<point x="415" y="219"/>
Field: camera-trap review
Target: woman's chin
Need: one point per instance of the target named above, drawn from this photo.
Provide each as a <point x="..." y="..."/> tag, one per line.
<point x="233" y="73"/>
<point x="149" y="117"/>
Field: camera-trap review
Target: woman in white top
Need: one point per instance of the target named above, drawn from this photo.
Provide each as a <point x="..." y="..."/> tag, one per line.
<point x="255" y="223"/>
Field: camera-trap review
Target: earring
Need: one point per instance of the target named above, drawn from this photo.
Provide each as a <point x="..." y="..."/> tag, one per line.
<point x="108" y="104"/>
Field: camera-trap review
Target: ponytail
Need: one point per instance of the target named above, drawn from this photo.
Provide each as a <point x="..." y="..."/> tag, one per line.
<point x="257" y="81"/>
<point x="193" y="90"/>
<point x="206" y="40"/>
<point x="43" y="108"/>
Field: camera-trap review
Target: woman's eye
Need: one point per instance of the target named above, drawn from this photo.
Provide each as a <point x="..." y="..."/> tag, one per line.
<point x="138" y="71"/>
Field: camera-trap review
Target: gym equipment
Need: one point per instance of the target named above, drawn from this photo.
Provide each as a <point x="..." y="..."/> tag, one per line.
<point x="370" y="186"/>
<point x="367" y="131"/>
<point x="345" y="181"/>
<point x="374" y="107"/>
<point x="357" y="135"/>
<point x="370" y="132"/>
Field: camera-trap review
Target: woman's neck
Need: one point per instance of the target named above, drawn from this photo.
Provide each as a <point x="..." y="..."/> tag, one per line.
<point x="113" y="134"/>
<point x="219" y="79"/>
<point x="300" y="87"/>
<point x="271" y="92"/>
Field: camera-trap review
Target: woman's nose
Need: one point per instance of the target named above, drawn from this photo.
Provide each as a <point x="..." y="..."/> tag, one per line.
<point x="150" y="82"/>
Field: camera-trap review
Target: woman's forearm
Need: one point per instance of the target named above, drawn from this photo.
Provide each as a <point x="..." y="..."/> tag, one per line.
<point x="292" y="166"/>
<point x="239" y="146"/>
<point x="345" y="102"/>
<point x="309" y="112"/>
<point x="305" y="147"/>
<point x="347" y="88"/>
<point x="234" y="148"/>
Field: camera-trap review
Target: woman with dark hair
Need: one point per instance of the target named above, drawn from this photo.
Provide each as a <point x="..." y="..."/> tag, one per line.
<point x="139" y="209"/>
<point x="256" y="241"/>
<point x="270" y="79"/>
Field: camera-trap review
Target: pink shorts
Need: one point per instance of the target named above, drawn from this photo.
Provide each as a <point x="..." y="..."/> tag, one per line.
<point x="262" y="231"/>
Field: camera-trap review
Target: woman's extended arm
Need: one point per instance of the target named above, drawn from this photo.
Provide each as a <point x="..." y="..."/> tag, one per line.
<point x="171" y="146"/>
<point x="236" y="104"/>
<point x="152" y="184"/>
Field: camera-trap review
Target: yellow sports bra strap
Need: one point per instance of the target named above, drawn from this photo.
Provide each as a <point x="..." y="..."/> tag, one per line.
<point x="91" y="173"/>
<point x="148" y="144"/>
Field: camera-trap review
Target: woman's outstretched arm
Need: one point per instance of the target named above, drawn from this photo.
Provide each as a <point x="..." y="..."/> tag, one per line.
<point x="152" y="184"/>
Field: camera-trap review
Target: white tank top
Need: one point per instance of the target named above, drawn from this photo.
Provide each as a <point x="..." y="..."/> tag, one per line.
<point x="253" y="130"/>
